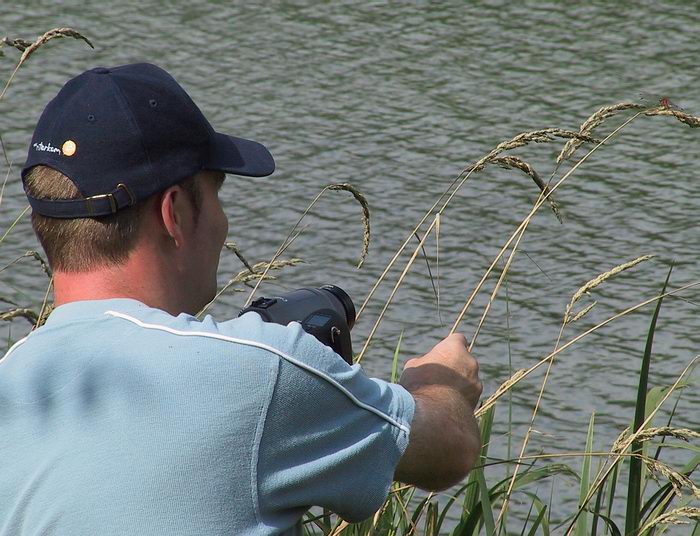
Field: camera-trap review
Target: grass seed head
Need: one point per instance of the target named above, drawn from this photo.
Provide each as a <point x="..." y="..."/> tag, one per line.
<point x="502" y="389"/>
<point x="19" y="44"/>
<point x="20" y="312"/>
<point x="48" y="36"/>
<point x="509" y="162"/>
<point x="231" y="246"/>
<point x="593" y="122"/>
<point x="690" y="120"/>
<point x="365" y="216"/>
<point x="601" y="278"/>
<point x="683" y="434"/>
<point x="621" y="443"/>
<point x="578" y="316"/>
<point x="679" y="516"/>
<point x="248" y="275"/>
<point x="677" y="480"/>
<point x="544" y="135"/>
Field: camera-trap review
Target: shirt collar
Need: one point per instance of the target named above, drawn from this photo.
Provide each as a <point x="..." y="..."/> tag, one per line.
<point x="87" y="309"/>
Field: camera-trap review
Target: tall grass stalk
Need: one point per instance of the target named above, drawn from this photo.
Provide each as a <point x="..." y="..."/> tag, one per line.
<point x="13" y="224"/>
<point x="539" y="136"/>
<point x="566" y="320"/>
<point x="521" y="375"/>
<point x="543" y="197"/>
<point x="603" y="475"/>
<point x="395" y="289"/>
<point x="525" y="222"/>
<point x="582" y="523"/>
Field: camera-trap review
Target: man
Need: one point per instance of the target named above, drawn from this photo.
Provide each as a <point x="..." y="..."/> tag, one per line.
<point x="124" y="414"/>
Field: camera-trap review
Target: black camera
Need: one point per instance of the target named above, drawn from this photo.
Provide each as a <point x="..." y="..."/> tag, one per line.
<point x="326" y="312"/>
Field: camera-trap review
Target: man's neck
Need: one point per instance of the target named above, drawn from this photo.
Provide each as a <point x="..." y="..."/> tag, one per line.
<point x="129" y="280"/>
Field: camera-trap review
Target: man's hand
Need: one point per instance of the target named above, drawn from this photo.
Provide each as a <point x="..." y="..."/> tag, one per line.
<point x="449" y="364"/>
<point x="445" y="440"/>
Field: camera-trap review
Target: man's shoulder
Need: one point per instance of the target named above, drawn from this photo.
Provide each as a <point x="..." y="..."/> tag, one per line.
<point x="250" y="332"/>
<point x="131" y="325"/>
<point x="128" y="327"/>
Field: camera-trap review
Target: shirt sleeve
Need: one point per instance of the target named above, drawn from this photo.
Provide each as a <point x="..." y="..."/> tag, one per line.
<point x="332" y="436"/>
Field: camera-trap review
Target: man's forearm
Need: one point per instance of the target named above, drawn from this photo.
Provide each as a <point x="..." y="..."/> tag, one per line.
<point x="444" y="442"/>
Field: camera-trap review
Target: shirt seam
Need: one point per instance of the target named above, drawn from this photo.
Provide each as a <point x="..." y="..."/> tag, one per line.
<point x="259" y="432"/>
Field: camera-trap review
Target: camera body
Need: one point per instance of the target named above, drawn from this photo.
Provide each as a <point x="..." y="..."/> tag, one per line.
<point x="326" y="312"/>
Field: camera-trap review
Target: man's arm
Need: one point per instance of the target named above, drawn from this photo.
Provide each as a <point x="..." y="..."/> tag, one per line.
<point x="445" y="441"/>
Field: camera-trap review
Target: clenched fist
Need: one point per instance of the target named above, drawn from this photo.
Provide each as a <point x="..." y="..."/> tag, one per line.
<point x="448" y="364"/>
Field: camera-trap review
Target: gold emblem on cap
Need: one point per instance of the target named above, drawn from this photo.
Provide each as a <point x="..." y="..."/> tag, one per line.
<point x="69" y="147"/>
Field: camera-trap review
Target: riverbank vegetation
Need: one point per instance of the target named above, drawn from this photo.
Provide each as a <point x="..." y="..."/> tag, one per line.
<point x="627" y="488"/>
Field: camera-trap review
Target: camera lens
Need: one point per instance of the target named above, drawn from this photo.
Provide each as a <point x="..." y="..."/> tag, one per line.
<point x="344" y="299"/>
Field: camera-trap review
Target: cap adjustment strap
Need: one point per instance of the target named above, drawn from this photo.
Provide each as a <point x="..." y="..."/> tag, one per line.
<point x="88" y="207"/>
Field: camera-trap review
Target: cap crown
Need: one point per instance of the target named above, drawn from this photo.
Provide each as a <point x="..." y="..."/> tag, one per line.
<point x="132" y="125"/>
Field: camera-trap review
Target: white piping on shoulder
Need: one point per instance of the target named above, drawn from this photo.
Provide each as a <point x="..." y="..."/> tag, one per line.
<point x="271" y="349"/>
<point x="15" y="345"/>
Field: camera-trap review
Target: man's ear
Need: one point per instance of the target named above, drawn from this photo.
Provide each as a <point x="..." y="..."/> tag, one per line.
<point x="175" y="213"/>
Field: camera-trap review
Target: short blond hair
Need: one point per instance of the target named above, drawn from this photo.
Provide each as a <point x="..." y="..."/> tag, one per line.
<point x="84" y="244"/>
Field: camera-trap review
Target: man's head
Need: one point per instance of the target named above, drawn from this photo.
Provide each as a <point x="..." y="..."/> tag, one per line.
<point x="86" y="244"/>
<point x="122" y="148"/>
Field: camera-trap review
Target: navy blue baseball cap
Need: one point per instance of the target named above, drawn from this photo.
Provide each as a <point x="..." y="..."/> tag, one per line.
<point x="124" y="133"/>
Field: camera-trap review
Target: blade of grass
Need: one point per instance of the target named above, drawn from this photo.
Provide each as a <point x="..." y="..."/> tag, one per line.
<point x="510" y="373"/>
<point x="469" y="524"/>
<point x="471" y="498"/>
<point x="486" y="506"/>
<point x="632" y="516"/>
<point x="539" y="521"/>
<point x="431" y="519"/>
<point x="4" y="154"/>
<point x="17" y="219"/>
<point x="653" y="395"/>
<point x="670" y="418"/>
<point x="609" y="523"/>
<point x="437" y="265"/>
<point x="430" y="272"/>
<point x="453" y="498"/>
<point x="527" y="519"/>
<point x="596" y="510"/>
<point x="419" y="511"/>
<point x="7" y="176"/>
<point x="395" y="362"/>
<point x="612" y="485"/>
<point x="582" y="523"/>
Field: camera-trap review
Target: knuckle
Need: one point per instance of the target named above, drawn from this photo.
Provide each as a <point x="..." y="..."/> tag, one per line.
<point x="473" y="364"/>
<point x="459" y="337"/>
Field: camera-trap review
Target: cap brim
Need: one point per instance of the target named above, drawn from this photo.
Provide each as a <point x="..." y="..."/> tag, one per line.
<point x="239" y="156"/>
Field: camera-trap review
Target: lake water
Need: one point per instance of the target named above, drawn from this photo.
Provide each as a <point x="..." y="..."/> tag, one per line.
<point x="397" y="99"/>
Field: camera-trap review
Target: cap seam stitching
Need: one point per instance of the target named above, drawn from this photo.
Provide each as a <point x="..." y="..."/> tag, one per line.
<point x="130" y="115"/>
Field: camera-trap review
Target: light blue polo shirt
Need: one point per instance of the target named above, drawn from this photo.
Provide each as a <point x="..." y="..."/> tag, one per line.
<point x="117" y="418"/>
